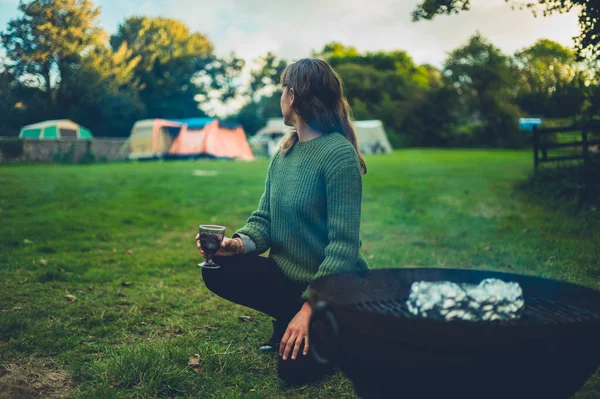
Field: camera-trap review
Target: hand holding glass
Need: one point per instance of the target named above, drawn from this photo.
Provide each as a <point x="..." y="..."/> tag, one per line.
<point x="211" y="237"/>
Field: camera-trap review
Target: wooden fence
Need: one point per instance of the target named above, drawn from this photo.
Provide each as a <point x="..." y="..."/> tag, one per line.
<point x="587" y="145"/>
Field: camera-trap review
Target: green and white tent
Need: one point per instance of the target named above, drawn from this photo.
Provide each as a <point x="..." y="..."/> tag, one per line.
<point x="54" y="130"/>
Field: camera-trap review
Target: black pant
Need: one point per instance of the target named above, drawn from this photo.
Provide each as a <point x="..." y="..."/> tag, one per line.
<point x="258" y="283"/>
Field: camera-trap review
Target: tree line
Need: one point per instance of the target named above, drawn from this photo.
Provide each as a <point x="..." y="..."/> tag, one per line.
<point x="59" y="63"/>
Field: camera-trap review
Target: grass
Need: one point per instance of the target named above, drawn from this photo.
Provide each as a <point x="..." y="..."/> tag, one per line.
<point x="98" y="278"/>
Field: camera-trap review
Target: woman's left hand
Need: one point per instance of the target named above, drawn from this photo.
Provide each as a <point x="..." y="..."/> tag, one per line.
<point x="297" y="331"/>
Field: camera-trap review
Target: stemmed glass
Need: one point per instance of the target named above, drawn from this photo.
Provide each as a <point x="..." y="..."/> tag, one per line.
<point x="211" y="237"/>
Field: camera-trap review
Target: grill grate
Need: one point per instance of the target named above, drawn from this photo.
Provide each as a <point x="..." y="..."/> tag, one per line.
<point x="536" y="311"/>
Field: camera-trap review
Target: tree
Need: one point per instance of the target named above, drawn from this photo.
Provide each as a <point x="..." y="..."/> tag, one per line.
<point x="550" y="82"/>
<point x="264" y="78"/>
<point x="382" y="85"/>
<point x="49" y="37"/>
<point x="482" y="77"/>
<point x="587" y="43"/>
<point x="101" y="92"/>
<point x="177" y="67"/>
<point x="263" y="93"/>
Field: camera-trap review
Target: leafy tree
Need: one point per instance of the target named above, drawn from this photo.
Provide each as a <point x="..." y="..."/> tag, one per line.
<point x="176" y="67"/>
<point x="264" y="79"/>
<point x="101" y="92"/>
<point x="384" y="85"/>
<point x="170" y="56"/>
<point x="482" y="77"/>
<point x="263" y="93"/>
<point x="50" y="37"/>
<point x="550" y="82"/>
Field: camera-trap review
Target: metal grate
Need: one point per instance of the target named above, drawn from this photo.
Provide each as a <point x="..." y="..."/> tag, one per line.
<point x="536" y="311"/>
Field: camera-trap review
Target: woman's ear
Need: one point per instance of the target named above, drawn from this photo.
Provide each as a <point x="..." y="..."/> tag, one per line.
<point x="291" y="94"/>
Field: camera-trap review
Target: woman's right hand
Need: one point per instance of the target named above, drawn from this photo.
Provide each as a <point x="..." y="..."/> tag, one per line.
<point x="229" y="246"/>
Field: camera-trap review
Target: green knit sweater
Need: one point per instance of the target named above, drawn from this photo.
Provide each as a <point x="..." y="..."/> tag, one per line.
<point x="309" y="214"/>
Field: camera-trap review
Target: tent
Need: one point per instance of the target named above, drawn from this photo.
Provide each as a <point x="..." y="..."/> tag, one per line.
<point x="54" y="130"/>
<point x="266" y="140"/>
<point x="214" y="139"/>
<point x="370" y="135"/>
<point x="151" y="138"/>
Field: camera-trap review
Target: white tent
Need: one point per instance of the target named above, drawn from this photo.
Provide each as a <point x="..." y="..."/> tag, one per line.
<point x="266" y="140"/>
<point x="371" y="137"/>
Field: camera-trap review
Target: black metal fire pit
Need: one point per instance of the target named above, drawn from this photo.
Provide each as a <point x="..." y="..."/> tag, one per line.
<point x="362" y="325"/>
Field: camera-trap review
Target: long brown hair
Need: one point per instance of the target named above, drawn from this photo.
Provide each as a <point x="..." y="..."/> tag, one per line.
<point x="320" y="102"/>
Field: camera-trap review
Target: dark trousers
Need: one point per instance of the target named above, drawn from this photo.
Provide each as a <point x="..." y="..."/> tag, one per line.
<point x="258" y="283"/>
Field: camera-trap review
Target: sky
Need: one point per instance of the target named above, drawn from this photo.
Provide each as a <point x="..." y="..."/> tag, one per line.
<point x="292" y="29"/>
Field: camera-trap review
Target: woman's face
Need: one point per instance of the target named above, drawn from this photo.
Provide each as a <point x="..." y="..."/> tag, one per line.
<point x="286" y="106"/>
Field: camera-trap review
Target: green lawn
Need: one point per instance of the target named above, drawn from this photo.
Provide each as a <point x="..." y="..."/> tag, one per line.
<point x="119" y="238"/>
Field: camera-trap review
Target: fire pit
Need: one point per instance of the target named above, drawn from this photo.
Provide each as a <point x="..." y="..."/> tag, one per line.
<point x="362" y="324"/>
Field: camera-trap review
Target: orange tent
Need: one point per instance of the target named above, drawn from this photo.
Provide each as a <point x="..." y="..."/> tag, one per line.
<point x="214" y="140"/>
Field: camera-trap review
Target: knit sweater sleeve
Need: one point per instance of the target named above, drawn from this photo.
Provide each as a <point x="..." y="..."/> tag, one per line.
<point x="344" y="195"/>
<point x="258" y="225"/>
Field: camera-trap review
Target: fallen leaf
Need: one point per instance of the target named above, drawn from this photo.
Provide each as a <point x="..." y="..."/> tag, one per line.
<point x="244" y="318"/>
<point x="115" y="250"/>
<point x="43" y="261"/>
<point x="37" y="385"/>
<point x="525" y="231"/>
<point x="126" y="283"/>
<point x="550" y="260"/>
<point x="194" y="363"/>
<point x="27" y="242"/>
<point x="23" y="281"/>
<point x="487" y="249"/>
<point x="371" y="256"/>
<point x="70" y="298"/>
<point x="129" y="252"/>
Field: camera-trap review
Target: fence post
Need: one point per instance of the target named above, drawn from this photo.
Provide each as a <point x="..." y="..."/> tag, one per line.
<point x="536" y="142"/>
<point x="585" y="149"/>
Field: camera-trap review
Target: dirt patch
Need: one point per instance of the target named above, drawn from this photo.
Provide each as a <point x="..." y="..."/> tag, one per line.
<point x="34" y="377"/>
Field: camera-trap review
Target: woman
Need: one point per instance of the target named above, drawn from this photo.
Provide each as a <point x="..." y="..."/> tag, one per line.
<point x="308" y="216"/>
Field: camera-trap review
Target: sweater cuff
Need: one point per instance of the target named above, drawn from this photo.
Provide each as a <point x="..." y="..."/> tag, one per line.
<point x="249" y="245"/>
<point x="306" y="294"/>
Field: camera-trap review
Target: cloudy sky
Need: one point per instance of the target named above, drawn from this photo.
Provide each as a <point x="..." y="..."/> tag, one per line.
<point x="292" y="29"/>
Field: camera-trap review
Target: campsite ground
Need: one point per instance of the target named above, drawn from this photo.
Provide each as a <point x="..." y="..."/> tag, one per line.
<point x="100" y="295"/>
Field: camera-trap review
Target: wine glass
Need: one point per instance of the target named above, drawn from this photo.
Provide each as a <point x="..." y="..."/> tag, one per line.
<point x="211" y="237"/>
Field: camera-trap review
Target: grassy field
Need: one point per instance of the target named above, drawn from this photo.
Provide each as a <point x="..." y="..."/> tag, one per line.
<point x="100" y="296"/>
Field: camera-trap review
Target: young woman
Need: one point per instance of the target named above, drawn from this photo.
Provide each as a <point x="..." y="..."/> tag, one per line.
<point x="308" y="216"/>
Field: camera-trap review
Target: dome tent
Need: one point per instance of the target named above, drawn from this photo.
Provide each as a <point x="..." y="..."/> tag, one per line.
<point x="54" y="130"/>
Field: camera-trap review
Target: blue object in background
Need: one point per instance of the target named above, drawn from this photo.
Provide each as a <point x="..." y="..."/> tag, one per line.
<point x="529" y="123"/>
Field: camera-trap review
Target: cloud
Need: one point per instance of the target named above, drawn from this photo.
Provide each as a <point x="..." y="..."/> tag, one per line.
<point x="294" y="28"/>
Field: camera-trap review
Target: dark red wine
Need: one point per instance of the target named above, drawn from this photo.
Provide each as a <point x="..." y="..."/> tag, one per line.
<point x="210" y="242"/>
